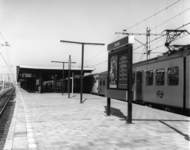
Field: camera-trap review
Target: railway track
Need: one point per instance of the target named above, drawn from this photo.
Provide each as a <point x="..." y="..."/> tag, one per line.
<point x="6" y="111"/>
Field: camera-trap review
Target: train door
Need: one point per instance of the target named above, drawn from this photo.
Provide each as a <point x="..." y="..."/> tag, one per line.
<point x="139" y="85"/>
<point x="134" y="86"/>
<point x="187" y="83"/>
<point x="102" y="86"/>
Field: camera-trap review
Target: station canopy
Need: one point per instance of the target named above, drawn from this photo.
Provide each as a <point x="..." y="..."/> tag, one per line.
<point x="35" y="71"/>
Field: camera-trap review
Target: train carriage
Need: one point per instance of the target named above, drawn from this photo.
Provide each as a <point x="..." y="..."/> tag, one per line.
<point x="159" y="81"/>
<point x="187" y="93"/>
<point x="162" y="81"/>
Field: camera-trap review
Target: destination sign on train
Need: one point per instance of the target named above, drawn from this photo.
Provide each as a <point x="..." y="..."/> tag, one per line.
<point x="120" y="43"/>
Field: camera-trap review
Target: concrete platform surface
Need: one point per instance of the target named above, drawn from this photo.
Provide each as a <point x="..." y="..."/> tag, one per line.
<point x="51" y="121"/>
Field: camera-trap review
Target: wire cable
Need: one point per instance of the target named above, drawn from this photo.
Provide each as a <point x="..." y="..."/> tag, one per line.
<point x="2" y="37"/>
<point x="99" y="63"/>
<point x="170" y="19"/>
<point x="95" y="55"/>
<point x="7" y="65"/>
<point x="161" y="36"/>
<point x="145" y="21"/>
<point x="154" y="14"/>
<point x="164" y="45"/>
<point x="142" y="55"/>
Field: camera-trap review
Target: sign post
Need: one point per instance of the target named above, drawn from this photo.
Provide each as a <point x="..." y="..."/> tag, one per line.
<point x="119" y="85"/>
<point x="130" y="93"/>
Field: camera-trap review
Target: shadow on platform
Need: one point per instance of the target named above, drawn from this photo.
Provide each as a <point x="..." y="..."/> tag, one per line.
<point x="116" y="112"/>
<point x="84" y="100"/>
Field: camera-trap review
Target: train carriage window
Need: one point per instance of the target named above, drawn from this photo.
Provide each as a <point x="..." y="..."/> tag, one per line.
<point x="103" y="82"/>
<point x="173" y="76"/>
<point x="160" y="74"/>
<point x="96" y="78"/>
<point x="100" y="81"/>
<point x="149" y="77"/>
<point x="133" y="78"/>
<point x="139" y="77"/>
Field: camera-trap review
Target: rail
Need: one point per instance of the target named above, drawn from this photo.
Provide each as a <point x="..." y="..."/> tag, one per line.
<point x="4" y="102"/>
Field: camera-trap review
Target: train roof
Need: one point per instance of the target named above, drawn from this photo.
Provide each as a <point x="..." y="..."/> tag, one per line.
<point x="91" y="74"/>
<point x="182" y="52"/>
<point x="103" y="73"/>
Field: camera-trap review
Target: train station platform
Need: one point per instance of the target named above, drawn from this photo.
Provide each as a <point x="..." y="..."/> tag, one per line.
<point x="51" y="121"/>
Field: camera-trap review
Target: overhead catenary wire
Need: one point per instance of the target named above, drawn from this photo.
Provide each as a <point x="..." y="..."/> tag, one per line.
<point x="7" y="48"/>
<point x="99" y="63"/>
<point x="166" y="8"/>
<point x="162" y="24"/>
<point x="165" y="34"/>
<point x="154" y="14"/>
<point x="171" y="18"/>
<point x="161" y="36"/>
<point x="141" y="57"/>
<point x="164" y="45"/>
<point x="141" y="22"/>
<point x="2" y="37"/>
<point x="142" y="54"/>
<point x="7" y="65"/>
<point x="101" y="50"/>
<point x="96" y="55"/>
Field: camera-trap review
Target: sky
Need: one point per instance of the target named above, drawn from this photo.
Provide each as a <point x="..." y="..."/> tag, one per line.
<point x="34" y="28"/>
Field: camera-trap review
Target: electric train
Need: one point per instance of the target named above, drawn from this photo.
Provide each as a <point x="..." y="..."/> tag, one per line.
<point x="162" y="81"/>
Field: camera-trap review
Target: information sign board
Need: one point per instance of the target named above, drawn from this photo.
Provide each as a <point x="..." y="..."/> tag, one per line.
<point x="113" y="71"/>
<point x="122" y="79"/>
<point x="119" y="85"/>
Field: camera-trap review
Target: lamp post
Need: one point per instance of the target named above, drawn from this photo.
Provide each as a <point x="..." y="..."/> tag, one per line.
<point x="82" y="60"/>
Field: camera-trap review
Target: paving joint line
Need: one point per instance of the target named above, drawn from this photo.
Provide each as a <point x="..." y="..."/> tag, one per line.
<point x="30" y="135"/>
